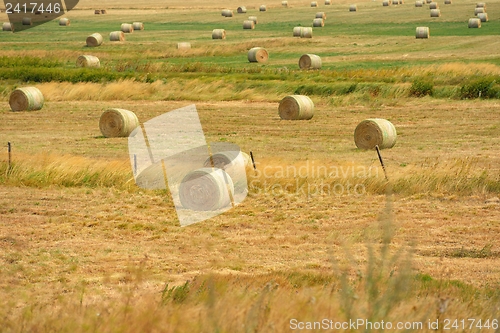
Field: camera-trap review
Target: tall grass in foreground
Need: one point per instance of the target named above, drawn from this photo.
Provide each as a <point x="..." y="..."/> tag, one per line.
<point x="384" y="287"/>
<point x="42" y="170"/>
<point x="272" y="178"/>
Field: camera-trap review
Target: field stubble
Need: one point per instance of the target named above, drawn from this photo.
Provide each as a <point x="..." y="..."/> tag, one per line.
<point x="78" y="235"/>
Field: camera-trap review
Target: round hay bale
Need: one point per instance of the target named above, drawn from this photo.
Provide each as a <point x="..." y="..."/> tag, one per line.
<point x="247" y="24"/>
<point x="258" y="54"/>
<point x="64" y="22"/>
<point x="296" y="107"/>
<point x="88" y="61"/>
<point x="395" y="2"/>
<point x="428" y="1"/>
<point x="26" y="99"/>
<point x="103" y="11"/>
<point x="401" y="2"/>
<point x="183" y="46"/>
<point x="372" y="132"/>
<point x="318" y="23"/>
<point x="97" y="12"/>
<point x="435" y="13"/>
<point x="422" y="32"/>
<point x="234" y="163"/>
<point x="138" y="26"/>
<point x="474" y="23"/>
<point x="206" y="189"/>
<point x="447" y="2"/>
<point x="117" y="36"/>
<point x="481" y="5"/>
<point x="127" y="28"/>
<point x="227" y="13"/>
<point x="419" y="4"/>
<point x="483" y="17"/>
<point x="306" y="32"/>
<point x="479" y="10"/>
<point x="94" y="40"/>
<point x="27" y="21"/>
<point x="353" y="8"/>
<point x="219" y="34"/>
<point x="222" y="160"/>
<point x="385" y="3"/>
<point x="253" y="18"/>
<point x="310" y="61"/>
<point x="241" y="10"/>
<point x="7" y="26"/>
<point x="297" y="31"/>
<point x="262" y="8"/>
<point x="321" y="15"/>
<point x="328" y="2"/>
<point x="314" y="4"/>
<point x="117" y="123"/>
<point x="433" y="5"/>
<point x="284" y="3"/>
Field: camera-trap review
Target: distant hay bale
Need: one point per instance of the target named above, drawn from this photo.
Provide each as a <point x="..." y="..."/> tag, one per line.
<point x="97" y="12"/>
<point x="26" y="99"/>
<point x="94" y="40"/>
<point x="247" y="24"/>
<point x="183" y="46"/>
<point x="297" y="31"/>
<point x="395" y="2"/>
<point x="385" y="3"/>
<point x="241" y="10"/>
<point x="353" y="8"/>
<point x="284" y="3"/>
<point x="7" y="26"/>
<point x="483" y="17"/>
<point x="27" y="21"/>
<point x="433" y="5"/>
<point x="88" y="61"/>
<point x="227" y="13"/>
<point x="318" y="23"/>
<point x="428" y="1"/>
<point x="117" y="36"/>
<point x="138" y="25"/>
<point x="328" y="2"/>
<point x="375" y="132"/>
<point x="314" y="4"/>
<point x="262" y="8"/>
<point x="310" y="61"/>
<point x="64" y="22"/>
<point x="253" y="18"/>
<point x="306" y="32"/>
<point x="401" y="2"/>
<point x="258" y="54"/>
<point x="479" y="10"/>
<point x="219" y="34"/>
<point x="296" y="107"/>
<point x="127" y="28"/>
<point x="435" y="13"/>
<point x="481" y="5"/>
<point x="422" y="32"/>
<point x="103" y="11"/>
<point x="117" y="123"/>
<point x="474" y="23"/>
<point x="321" y="15"/>
<point x="206" y="189"/>
<point x="447" y="2"/>
<point x="418" y="4"/>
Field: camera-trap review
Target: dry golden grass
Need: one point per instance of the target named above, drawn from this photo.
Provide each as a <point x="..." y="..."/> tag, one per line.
<point x="83" y="249"/>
